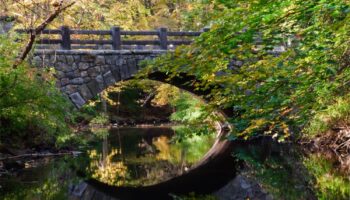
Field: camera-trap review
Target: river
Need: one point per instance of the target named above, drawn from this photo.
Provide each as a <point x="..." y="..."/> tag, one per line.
<point x="122" y="157"/>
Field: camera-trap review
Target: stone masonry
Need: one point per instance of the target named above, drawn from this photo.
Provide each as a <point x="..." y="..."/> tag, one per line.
<point x="84" y="74"/>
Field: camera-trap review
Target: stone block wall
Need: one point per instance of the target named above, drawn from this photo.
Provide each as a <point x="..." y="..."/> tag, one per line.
<point x="83" y="74"/>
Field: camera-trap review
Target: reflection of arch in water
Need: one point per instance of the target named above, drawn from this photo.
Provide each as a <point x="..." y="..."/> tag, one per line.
<point x="210" y="174"/>
<point x="213" y="172"/>
<point x="205" y="179"/>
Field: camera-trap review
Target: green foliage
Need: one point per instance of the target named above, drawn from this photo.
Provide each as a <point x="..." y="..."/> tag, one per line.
<point x="336" y="114"/>
<point x="188" y="109"/>
<point x="329" y="183"/>
<point x="30" y="105"/>
<point x="290" y="175"/>
<point x="99" y="125"/>
<point x="275" y="95"/>
<point x="195" y="117"/>
<point x="166" y="94"/>
<point x="102" y="14"/>
<point x="188" y="131"/>
<point x="86" y="113"/>
<point x="196" y="141"/>
<point x="100" y="120"/>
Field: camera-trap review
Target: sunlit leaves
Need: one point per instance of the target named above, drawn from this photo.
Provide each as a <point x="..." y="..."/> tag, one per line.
<point x="302" y="79"/>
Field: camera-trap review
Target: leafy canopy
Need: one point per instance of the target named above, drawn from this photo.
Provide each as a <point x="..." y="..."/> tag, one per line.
<point x="274" y="93"/>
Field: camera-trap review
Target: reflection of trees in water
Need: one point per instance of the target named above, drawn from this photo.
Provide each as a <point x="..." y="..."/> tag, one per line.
<point x="106" y="169"/>
<point x="144" y="148"/>
<point x="147" y="159"/>
<point x="45" y="181"/>
<point x="154" y="172"/>
<point x="167" y="151"/>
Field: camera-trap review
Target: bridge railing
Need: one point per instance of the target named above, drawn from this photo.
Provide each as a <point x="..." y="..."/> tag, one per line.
<point x="66" y="39"/>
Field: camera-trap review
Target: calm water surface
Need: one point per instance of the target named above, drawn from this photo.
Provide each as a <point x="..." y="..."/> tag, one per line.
<point x="120" y="157"/>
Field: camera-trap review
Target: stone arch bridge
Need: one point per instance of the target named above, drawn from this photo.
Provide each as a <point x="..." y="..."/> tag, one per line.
<point x="86" y="62"/>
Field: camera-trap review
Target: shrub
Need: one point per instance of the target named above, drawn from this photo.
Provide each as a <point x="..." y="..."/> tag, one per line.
<point x="32" y="109"/>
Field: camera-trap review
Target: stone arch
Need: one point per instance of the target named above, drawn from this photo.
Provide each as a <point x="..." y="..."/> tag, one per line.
<point x="81" y="75"/>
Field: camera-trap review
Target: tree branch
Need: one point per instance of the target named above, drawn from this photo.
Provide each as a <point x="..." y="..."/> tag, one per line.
<point x="34" y="32"/>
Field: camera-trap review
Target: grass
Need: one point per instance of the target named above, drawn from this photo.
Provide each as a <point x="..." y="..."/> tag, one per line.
<point x="335" y="114"/>
<point x="328" y="182"/>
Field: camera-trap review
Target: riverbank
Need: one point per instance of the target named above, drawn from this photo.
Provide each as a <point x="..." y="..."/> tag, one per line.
<point x="12" y="163"/>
